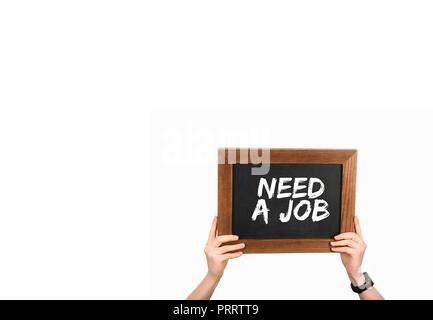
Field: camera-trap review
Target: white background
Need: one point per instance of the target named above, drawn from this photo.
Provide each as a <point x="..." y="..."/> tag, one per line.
<point x="111" y="113"/>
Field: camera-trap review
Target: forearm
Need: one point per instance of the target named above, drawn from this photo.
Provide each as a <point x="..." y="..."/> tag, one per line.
<point x="371" y="294"/>
<point x="205" y="289"/>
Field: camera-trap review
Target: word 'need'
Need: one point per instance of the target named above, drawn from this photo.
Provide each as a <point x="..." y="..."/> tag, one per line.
<point x="304" y="191"/>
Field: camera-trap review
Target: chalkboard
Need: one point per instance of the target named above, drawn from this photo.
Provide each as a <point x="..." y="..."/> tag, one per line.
<point x="297" y="202"/>
<point x="289" y="215"/>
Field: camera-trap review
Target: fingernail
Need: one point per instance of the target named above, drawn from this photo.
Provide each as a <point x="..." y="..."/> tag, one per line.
<point x="236" y="237"/>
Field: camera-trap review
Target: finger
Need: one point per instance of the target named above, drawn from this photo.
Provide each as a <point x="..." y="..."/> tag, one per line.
<point x="233" y="255"/>
<point x="349" y="236"/>
<point x="347" y="250"/>
<point x="346" y="236"/>
<point x="233" y="247"/>
<point x="212" y="232"/>
<point x="349" y="243"/>
<point x="225" y="238"/>
<point x="358" y="227"/>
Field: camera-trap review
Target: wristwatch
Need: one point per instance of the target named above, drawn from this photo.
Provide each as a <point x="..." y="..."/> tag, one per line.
<point x="367" y="284"/>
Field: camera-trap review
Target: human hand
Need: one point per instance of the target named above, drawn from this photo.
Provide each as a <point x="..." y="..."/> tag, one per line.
<point x="351" y="247"/>
<point x="217" y="256"/>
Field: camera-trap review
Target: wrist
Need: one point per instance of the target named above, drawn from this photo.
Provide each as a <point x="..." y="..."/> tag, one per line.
<point x="356" y="277"/>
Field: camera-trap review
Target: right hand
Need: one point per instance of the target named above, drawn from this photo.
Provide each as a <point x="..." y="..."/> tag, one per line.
<point x="217" y="256"/>
<point x="352" y="248"/>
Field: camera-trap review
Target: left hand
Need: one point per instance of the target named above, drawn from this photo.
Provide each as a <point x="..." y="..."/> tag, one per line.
<point x="352" y="248"/>
<point x="218" y="253"/>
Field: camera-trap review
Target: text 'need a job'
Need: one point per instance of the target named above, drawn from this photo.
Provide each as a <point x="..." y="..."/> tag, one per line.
<point x="303" y="198"/>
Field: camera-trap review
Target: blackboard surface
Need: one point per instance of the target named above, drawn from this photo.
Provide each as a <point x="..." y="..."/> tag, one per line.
<point x="245" y="199"/>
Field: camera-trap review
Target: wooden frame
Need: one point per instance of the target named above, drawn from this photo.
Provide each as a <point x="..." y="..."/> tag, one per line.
<point x="348" y="160"/>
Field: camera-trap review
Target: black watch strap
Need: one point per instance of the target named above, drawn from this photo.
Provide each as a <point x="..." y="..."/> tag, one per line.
<point x="361" y="288"/>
